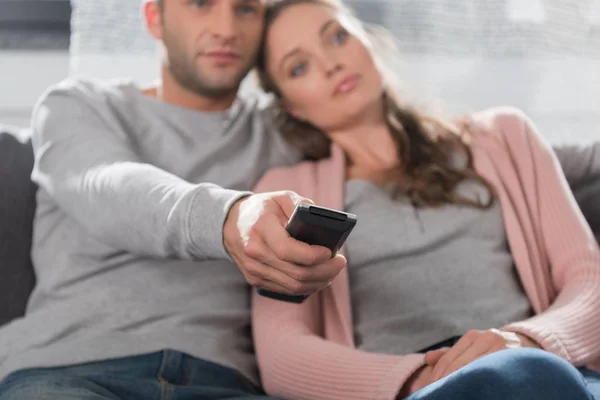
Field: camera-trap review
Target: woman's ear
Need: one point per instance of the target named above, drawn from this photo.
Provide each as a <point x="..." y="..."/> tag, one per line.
<point x="291" y="109"/>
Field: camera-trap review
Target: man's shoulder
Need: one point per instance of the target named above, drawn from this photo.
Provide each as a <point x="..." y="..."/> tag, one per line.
<point x="262" y="109"/>
<point x="257" y="104"/>
<point x="85" y="91"/>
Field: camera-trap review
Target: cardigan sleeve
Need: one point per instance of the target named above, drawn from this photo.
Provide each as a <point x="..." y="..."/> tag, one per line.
<point x="296" y="359"/>
<point x="570" y="326"/>
<point x="297" y="362"/>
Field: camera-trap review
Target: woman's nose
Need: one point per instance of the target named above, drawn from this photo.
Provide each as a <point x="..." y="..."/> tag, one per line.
<point x="332" y="66"/>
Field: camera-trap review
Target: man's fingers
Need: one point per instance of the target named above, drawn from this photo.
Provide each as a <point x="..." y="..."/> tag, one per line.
<point x="329" y="270"/>
<point x="287" y="249"/>
<point x="308" y="278"/>
<point x="274" y="287"/>
<point x="266" y="277"/>
<point x="261" y="262"/>
<point x="270" y="254"/>
<point x="296" y="280"/>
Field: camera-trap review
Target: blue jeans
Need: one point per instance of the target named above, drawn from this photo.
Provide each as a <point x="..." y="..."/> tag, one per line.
<point x="163" y="375"/>
<point x="515" y="374"/>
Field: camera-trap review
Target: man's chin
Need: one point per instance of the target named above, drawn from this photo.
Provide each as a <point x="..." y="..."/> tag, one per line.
<point x="221" y="74"/>
<point x="217" y="89"/>
<point x="224" y="84"/>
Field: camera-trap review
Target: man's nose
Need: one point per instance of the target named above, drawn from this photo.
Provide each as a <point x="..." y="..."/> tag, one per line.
<point x="223" y="22"/>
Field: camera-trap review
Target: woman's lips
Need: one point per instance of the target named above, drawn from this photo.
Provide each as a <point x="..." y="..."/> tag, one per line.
<point x="346" y="85"/>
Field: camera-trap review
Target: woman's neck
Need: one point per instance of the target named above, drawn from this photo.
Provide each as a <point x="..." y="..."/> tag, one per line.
<point x="369" y="148"/>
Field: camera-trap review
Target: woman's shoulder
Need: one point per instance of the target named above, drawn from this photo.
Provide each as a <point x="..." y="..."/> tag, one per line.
<point x="499" y="121"/>
<point x="508" y="127"/>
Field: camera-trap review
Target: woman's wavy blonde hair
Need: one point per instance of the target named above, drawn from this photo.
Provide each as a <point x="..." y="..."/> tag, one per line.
<point x="427" y="146"/>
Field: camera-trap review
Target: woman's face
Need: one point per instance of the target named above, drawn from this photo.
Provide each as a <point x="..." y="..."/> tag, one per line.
<point x="323" y="70"/>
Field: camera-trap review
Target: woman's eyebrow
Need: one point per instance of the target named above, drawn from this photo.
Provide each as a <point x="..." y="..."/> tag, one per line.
<point x="288" y="55"/>
<point x="325" y="26"/>
<point x="295" y="51"/>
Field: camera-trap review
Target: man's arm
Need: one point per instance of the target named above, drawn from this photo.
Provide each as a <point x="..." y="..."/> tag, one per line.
<point x="92" y="172"/>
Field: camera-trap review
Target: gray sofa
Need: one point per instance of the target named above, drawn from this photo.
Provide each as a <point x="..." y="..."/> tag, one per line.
<point x="17" y="206"/>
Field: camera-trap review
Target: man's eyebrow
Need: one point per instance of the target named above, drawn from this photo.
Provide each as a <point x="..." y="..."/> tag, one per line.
<point x="323" y="29"/>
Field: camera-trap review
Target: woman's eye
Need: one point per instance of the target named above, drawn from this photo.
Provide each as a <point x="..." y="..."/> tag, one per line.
<point x="340" y="37"/>
<point x="298" y="69"/>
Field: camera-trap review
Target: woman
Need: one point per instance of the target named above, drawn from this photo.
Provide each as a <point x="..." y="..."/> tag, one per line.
<point x="432" y="305"/>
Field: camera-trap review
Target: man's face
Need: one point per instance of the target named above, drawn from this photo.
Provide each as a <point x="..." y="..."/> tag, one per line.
<point x="210" y="44"/>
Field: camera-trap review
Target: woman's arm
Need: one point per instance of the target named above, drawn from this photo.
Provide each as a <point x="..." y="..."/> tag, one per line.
<point x="296" y="362"/>
<point x="569" y="328"/>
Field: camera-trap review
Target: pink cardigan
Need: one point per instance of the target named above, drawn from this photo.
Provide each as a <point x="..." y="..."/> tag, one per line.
<point x="307" y="351"/>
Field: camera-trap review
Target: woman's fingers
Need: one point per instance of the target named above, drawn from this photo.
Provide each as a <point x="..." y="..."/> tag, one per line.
<point x="432" y="357"/>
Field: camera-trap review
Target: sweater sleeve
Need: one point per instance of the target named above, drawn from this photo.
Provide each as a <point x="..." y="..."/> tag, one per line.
<point x="296" y="362"/>
<point x="89" y="168"/>
<point x="569" y="327"/>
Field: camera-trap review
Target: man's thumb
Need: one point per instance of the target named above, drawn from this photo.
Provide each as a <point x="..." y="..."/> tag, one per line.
<point x="289" y="201"/>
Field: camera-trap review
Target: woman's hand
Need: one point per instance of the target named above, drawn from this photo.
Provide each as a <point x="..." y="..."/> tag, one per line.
<point x="416" y="382"/>
<point x="442" y="362"/>
<point x="422" y="377"/>
<point x="473" y="345"/>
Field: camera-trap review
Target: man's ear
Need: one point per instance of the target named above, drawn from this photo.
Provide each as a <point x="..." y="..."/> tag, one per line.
<point x="153" y="18"/>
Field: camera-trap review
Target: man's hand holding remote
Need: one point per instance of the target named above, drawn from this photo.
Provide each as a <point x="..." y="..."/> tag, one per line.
<point x="255" y="237"/>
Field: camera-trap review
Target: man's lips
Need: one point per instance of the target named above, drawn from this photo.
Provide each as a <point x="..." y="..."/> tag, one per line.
<point x="222" y="56"/>
<point x="346" y="85"/>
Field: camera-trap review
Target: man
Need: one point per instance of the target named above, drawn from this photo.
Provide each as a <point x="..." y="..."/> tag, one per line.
<point x="137" y="296"/>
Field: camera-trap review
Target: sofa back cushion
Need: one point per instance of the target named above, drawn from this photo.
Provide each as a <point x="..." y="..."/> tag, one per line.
<point x="588" y="197"/>
<point x="17" y="207"/>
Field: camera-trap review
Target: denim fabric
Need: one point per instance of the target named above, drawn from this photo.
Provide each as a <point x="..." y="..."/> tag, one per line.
<point x="159" y="376"/>
<point x="515" y="374"/>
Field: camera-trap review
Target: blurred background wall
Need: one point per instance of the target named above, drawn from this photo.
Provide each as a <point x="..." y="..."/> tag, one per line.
<point x="540" y="55"/>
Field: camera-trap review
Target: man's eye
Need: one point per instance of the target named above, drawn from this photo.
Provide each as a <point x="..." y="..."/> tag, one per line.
<point x="199" y="3"/>
<point x="246" y="10"/>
